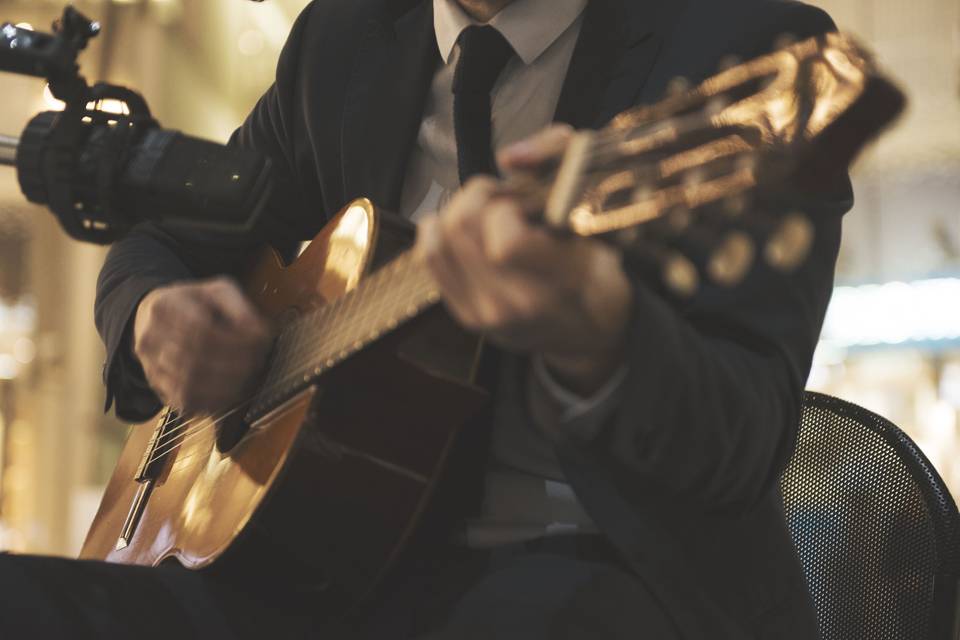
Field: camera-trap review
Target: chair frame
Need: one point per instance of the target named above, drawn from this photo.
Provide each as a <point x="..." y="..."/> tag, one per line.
<point x="937" y="498"/>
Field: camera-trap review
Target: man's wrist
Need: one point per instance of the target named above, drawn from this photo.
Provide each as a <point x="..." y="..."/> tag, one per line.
<point x="609" y="300"/>
<point x="583" y="374"/>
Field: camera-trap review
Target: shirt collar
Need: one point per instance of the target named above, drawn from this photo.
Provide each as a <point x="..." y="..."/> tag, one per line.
<point x="530" y="26"/>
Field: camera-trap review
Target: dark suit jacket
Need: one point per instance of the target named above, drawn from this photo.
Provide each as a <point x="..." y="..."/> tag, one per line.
<point x="683" y="478"/>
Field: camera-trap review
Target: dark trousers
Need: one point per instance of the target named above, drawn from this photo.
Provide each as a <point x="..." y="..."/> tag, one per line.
<point x="528" y="592"/>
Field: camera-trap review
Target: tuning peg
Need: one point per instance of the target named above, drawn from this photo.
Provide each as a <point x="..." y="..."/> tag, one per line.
<point x="680" y="275"/>
<point x="790" y="244"/>
<point x="678" y="86"/>
<point x="732" y="260"/>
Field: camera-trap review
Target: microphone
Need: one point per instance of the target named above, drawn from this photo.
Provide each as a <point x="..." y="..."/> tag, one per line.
<point x="112" y="176"/>
<point x="102" y="172"/>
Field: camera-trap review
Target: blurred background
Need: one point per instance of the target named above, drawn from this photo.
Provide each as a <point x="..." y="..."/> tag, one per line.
<point x="891" y="342"/>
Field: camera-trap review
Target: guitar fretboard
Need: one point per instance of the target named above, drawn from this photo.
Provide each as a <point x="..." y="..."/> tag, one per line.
<point x="321" y="339"/>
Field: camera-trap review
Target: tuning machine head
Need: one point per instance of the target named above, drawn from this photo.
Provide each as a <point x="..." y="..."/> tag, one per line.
<point x="790" y="243"/>
<point x="732" y="260"/>
<point x="680" y="275"/>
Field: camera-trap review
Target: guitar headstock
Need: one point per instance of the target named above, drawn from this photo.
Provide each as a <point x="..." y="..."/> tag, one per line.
<point x="674" y="181"/>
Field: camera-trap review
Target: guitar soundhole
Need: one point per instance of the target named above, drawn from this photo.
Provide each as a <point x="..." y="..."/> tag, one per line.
<point x="230" y="432"/>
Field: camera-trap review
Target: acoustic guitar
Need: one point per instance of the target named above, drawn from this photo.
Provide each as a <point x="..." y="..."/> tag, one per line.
<point x="326" y="471"/>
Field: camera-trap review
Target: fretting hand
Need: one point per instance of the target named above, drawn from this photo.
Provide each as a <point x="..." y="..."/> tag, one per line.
<point x="526" y="288"/>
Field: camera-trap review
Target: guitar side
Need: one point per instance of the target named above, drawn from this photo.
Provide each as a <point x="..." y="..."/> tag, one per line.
<point x="329" y="486"/>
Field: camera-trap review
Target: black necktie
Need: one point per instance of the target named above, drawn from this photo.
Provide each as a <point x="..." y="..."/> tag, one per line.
<point x="483" y="55"/>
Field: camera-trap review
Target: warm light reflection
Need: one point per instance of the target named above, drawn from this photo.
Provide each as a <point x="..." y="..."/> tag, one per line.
<point x="349" y="243"/>
<point x="110" y="105"/>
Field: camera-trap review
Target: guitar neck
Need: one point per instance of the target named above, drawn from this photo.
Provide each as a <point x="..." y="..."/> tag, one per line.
<point x="323" y="338"/>
<point x="668" y="183"/>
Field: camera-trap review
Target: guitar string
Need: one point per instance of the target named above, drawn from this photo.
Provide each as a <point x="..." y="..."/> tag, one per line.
<point x="351" y="329"/>
<point x="211" y="422"/>
<point x="406" y="296"/>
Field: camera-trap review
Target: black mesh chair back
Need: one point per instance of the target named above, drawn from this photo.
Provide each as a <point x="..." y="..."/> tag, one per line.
<point x="876" y="529"/>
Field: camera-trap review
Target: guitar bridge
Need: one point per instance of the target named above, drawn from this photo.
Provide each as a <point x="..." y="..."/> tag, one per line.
<point x="157" y="448"/>
<point x="147" y="474"/>
<point x="133" y="516"/>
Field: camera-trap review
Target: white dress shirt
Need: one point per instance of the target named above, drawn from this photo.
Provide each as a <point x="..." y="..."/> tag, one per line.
<point x="526" y="495"/>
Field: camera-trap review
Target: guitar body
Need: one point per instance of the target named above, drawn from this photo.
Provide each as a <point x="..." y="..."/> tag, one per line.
<point x="328" y="487"/>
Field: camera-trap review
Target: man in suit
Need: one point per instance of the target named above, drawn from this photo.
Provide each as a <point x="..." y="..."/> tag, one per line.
<point x="635" y="443"/>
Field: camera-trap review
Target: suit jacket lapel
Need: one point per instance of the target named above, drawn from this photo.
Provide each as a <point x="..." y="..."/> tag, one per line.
<point x="619" y="43"/>
<point x="384" y="103"/>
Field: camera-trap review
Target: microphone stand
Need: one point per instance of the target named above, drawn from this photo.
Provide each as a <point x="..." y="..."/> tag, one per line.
<point x="8" y="151"/>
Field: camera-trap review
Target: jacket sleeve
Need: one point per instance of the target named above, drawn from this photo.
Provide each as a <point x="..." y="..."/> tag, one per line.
<point x="153" y="255"/>
<point x="710" y="408"/>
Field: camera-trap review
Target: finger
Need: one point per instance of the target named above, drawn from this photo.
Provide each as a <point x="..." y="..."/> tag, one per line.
<point x="462" y="246"/>
<point x="456" y="285"/>
<point x="208" y="385"/>
<point x="189" y="321"/>
<point x="471" y="197"/>
<point x="477" y="280"/>
<point x="196" y="340"/>
<point x="165" y="380"/>
<point x="428" y="237"/>
<point x="535" y="150"/>
<point x="501" y="297"/>
<point x="461" y="215"/>
<point x="231" y="305"/>
<point x="509" y="241"/>
<point x="161" y="382"/>
<point x="446" y="271"/>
